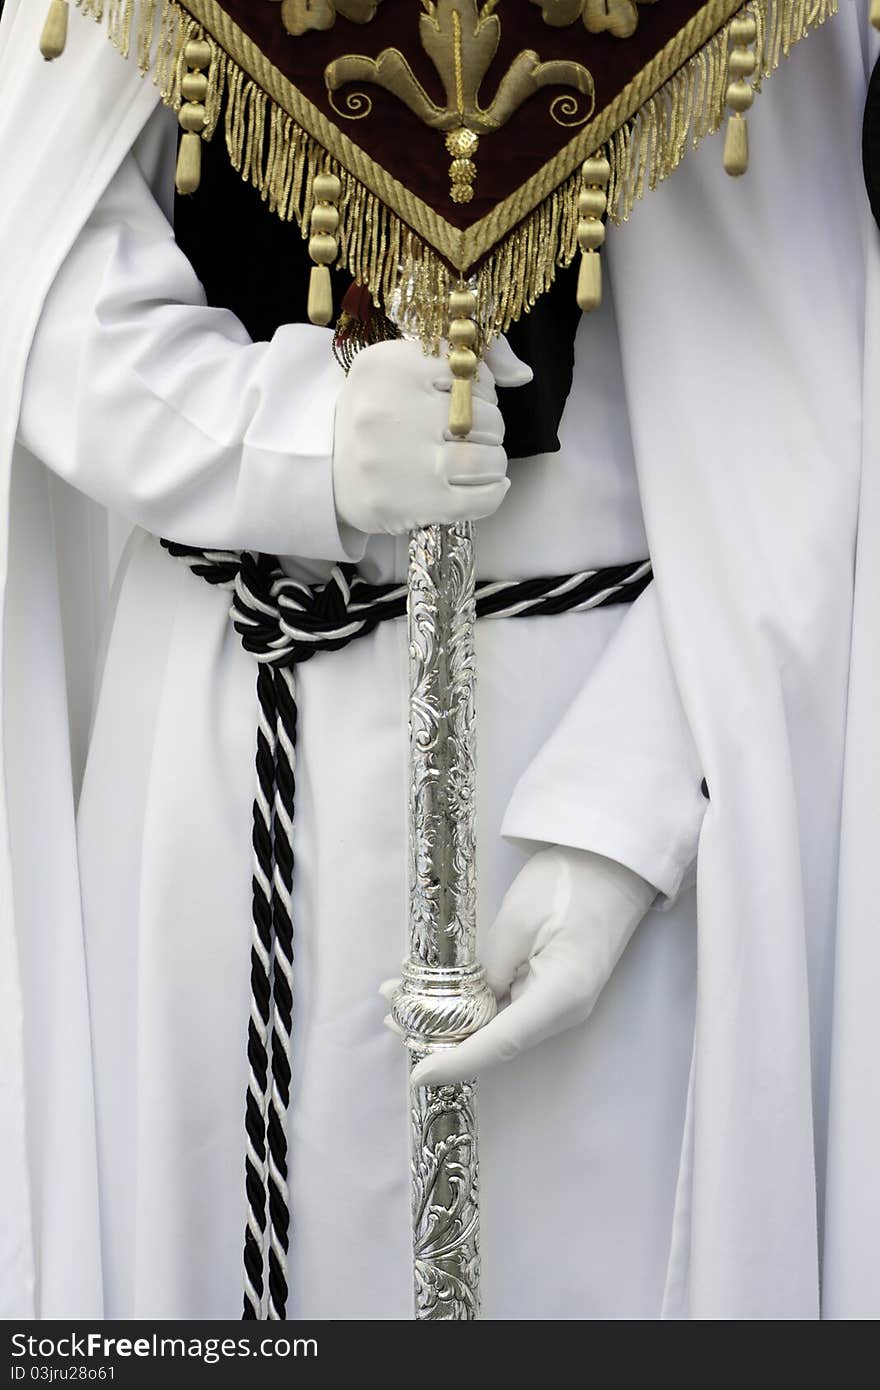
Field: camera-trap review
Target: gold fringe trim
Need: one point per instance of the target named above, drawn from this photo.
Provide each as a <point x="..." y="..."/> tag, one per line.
<point x="273" y="153"/>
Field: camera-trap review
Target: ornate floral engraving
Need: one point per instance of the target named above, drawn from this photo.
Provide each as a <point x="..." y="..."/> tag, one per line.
<point x="443" y="996"/>
<point x="461" y="775"/>
<point x="442" y="665"/>
<point x="618" y="17"/>
<point x="298" y="16"/>
<point x="445" y="1204"/>
<point x="461" y="38"/>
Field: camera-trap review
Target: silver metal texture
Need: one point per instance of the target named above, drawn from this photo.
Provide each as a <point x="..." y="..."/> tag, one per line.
<point x="443" y="996"/>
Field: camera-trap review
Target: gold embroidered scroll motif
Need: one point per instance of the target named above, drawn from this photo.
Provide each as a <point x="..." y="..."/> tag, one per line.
<point x="461" y="37"/>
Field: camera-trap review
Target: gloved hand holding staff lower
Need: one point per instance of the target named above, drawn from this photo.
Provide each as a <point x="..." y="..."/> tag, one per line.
<point x="564" y="923"/>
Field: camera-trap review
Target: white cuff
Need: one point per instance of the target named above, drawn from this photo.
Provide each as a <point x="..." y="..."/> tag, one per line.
<point x="593" y="822"/>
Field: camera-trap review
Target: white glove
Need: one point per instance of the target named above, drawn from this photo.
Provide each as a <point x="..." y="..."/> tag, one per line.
<point x="562" y="928"/>
<point x="395" y="464"/>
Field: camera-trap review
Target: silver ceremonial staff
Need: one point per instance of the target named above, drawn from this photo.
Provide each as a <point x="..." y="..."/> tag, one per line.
<point x="443" y="996"/>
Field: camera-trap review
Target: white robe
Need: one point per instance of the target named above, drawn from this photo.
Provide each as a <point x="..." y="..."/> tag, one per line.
<point x="612" y="1188"/>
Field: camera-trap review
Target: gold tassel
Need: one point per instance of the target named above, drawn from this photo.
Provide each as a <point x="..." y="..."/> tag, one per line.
<point x="54" y="36"/>
<point x="592" y="207"/>
<point x="192" y="115"/>
<point x="463" y="360"/>
<point x="742" y="62"/>
<point x="323" y="246"/>
<point x="875" y="13"/>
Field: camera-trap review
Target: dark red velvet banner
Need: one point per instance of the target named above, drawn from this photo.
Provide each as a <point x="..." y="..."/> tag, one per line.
<point x="413" y="153"/>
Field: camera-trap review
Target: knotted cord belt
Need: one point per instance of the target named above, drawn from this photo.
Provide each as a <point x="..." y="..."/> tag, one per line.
<point x="282" y="623"/>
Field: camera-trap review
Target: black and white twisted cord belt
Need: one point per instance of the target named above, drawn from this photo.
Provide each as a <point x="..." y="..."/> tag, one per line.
<point x="282" y="623"/>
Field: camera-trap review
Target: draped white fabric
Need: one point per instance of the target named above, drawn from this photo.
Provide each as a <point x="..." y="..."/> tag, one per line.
<point x="759" y="482"/>
<point x="723" y="390"/>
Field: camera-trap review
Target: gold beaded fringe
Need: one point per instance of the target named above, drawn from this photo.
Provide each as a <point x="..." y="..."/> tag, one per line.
<point x="405" y="275"/>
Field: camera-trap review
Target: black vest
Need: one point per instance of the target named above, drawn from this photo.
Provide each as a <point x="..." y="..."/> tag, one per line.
<point x="871" y="142"/>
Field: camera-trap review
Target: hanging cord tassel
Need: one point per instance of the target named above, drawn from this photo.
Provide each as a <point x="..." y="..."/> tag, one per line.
<point x="282" y="989"/>
<point x="463" y="360"/>
<point x="323" y="247"/>
<point x="192" y="115"/>
<point x="257" y="1098"/>
<point x="54" y="36"/>
<point x="742" y="62"/>
<point x="592" y="207"/>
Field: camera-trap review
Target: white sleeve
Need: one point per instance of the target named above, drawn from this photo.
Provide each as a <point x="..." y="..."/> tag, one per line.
<point x="164" y="410"/>
<point x="620" y="774"/>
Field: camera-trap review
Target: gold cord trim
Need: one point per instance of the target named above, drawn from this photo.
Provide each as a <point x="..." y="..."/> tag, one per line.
<point x="279" y="145"/>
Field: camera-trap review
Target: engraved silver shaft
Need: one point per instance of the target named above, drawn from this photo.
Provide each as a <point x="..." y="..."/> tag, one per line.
<point x="443" y="996"/>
